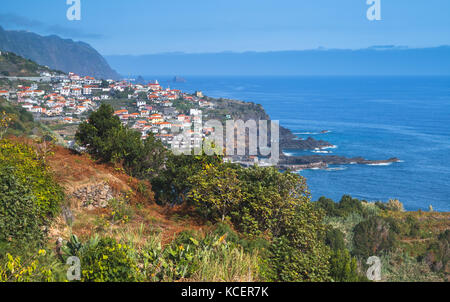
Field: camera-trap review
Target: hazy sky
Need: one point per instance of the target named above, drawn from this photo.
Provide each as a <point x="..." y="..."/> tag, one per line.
<point x="149" y="26"/>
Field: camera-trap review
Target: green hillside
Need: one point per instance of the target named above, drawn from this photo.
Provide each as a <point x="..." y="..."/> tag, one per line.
<point x="16" y="66"/>
<point x="23" y="123"/>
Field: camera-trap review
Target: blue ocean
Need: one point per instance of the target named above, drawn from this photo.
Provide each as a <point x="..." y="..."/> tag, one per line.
<point x="372" y="117"/>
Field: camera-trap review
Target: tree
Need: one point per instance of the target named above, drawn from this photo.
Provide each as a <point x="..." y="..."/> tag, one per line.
<point x="328" y="205"/>
<point x="104" y="84"/>
<point x="372" y="237"/>
<point x="171" y="183"/>
<point x="271" y="200"/>
<point x="216" y="189"/>
<point x="335" y="239"/>
<point x="96" y="133"/>
<point x="278" y="205"/>
<point x="349" y="205"/>
<point x="108" y="140"/>
<point x="344" y="267"/>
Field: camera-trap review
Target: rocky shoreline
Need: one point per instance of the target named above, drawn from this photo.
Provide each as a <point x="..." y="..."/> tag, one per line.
<point x="240" y="110"/>
<point x="289" y="141"/>
<point x="324" y="161"/>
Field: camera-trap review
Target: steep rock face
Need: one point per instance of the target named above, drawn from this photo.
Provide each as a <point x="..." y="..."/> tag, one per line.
<point x="245" y="111"/>
<point x="57" y="53"/>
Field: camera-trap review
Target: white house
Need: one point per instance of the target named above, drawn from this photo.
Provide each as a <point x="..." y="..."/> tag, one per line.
<point x="87" y="90"/>
<point x="195" y="112"/>
<point x="76" y="91"/>
<point x="4" y="93"/>
<point x="65" y="91"/>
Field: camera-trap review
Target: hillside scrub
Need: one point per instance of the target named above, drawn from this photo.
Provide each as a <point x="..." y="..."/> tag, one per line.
<point x="412" y="246"/>
<point x="194" y="218"/>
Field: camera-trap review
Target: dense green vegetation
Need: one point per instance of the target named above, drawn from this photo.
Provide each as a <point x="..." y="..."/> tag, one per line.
<point x="22" y="122"/>
<point x="408" y="249"/>
<point x="29" y="199"/>
<point x="108" y="140"/>
<point x="261" y="223"/>
<point x="257" y="202"/>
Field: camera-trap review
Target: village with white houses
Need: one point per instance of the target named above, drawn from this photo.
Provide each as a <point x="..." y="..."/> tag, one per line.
<point x="147" y="108"/>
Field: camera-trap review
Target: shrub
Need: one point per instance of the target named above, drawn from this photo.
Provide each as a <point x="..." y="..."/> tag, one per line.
<point x="249" y="244"/>
<point x="20" y="222"/>
<point x="335" y="239"/>
<point x="171" y="184"/>
<point x="372" y="237"/>
<point x="108" y="140"/>
<point x="328" y="205"/>
<point x="40" y="266"/>
<point x="31" y="170"/>
<point x="344" y="267"/>
<point x="215" y="191"/>
<point x="277" y="205"/>
<point x="395" y="205"/>
<point x="349" y="205"/>
<point x="287" y="263"/>
<point x="413" y="225"/>
<point x="189" y="257"/>
<point x="437" y="256"/>
<point x="122" y="212"/>
<point x="108" y="261"/>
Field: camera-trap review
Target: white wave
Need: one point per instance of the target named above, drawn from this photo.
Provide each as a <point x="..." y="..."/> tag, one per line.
<point x="329" y="147"/>
<point x="319" y="151"/>
<point x="312" y="133"/>
<point x="337" y="169"/>
<point x="288" y="154"/>
<point x="306" y="133"/>
<point x="380" y="164"/>
<point x="300" y="170"/>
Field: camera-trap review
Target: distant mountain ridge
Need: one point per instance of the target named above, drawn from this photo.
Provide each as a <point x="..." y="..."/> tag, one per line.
<point x="376" y="60"/>
<point x="57" y="53"/>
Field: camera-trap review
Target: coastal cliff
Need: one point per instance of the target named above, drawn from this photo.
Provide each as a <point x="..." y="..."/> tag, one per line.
<point x="240" y="110"/>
